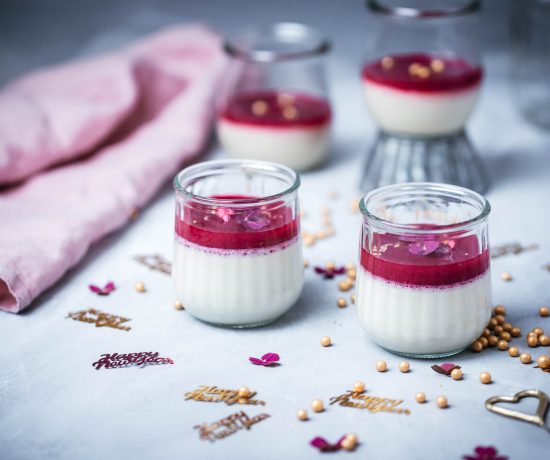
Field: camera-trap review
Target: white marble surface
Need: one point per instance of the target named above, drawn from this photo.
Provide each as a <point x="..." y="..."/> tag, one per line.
<point x="54" y="404"/>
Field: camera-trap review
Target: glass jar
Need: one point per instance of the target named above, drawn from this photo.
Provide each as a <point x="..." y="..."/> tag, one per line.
<point x="422" y="73"/>
<point x="237" y="251"/>
<point x="273" y="104"/>
<point x="423" y="284"/>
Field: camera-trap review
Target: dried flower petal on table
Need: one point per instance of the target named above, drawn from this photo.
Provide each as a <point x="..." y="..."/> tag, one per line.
<point x="445" y="368"/>
<point x="105" y="290"/>
<point x="268" y="359"/>
<point x="330" y="272"/>
<point x="485" y="453"/>
<point x="324" y="446"/>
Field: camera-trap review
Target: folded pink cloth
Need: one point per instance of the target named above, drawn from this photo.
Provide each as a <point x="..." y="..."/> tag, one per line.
<point x="137" y="114"/>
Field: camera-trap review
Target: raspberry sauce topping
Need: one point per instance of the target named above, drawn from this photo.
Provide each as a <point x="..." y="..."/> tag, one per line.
<point x="423" y="73"/>
<point x="434" y="262"/>
<point x="276" y="109"/>
<point x="234" y="226"/>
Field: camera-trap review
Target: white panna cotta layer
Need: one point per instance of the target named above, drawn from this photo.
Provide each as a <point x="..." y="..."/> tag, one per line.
<point x="420" y="113"/>
<point x="238" y="287"/>
<point x="298" y="148"/>
<point x="423" y="320"/>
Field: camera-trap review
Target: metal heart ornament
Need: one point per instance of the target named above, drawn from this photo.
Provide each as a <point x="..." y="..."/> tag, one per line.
<point x="538" y="418"/>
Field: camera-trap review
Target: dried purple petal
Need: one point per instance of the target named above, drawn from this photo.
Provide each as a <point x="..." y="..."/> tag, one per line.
<point x="485" y="453"/>
<point x="445" y="368"/>
<point x="329" y="273"/>
<point x="106" y="290"/>
<point x="224" y="213"/>
<point x="255" y="220"/>
<point x="266" y="360"/>
<point x="324" y="446"/>
<point x="424" y="248"/>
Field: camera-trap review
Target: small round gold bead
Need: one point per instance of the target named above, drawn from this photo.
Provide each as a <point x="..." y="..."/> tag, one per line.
<point x="359" y="387"/>
<point x="345" y="285"/>
<point x="139" y="286"/>
<point x="456" y="374"/>
<point x="486" y="333"/>
<point x="513" y="352"/>
<point x="532" y="341"/>
<point x="306" y="263"/>
<point x="342" y="303"/>
<point x="493" y="340"/>
<point x="502" y="345"/>
<point x="330" y="265"/>
<point x="484" y="341"/>
<point x="477" y="346"/>
<point x="525" y="358"/>
<point x="543" y="361"/>
<point x="381" y="366"/>
<point x="516" y="332"/>
<point x="492" y="323"/>
<point x="485" y="378"/>
<point x="507" y="327"/>
<point x="317" y="405"/>
<point x="244" y="392"/>
<point x="302" y="415"/>
<point x="500" y="310"/>
<point x="387" y="62"/>
<point x="505" y="336"/>
<point x="326" y="341"/>
<point x="404" y="366"/>
<point x="347" y="444"/>
<point x="352" y="273"/>
<point x="259" y="108"/>
<point x="437" y="65"/>
<point x="178" y="305"/>
<point x="538" y="331"/>
<point x="352" y="437"/>
<point x="442" y="402"/>
<point x="352" y="299"/>
<point x="544" y="311"/>
<point x="498" y="330"/>
<point x="506" y="276"/>
<point x="420" y="397"/>
<point x="544" y="340"/>
<point x="500" y="319"/>
<point x="350" y="266"/>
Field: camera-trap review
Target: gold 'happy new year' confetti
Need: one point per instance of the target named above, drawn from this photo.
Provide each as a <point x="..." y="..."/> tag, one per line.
<point x="155" y="262"/>
<point x="100" y="319"/>
<point x="228" y="425"/>
<point x="511" y="248"/>
<point x="211" y="393"/>
<point x="360" y="400"/>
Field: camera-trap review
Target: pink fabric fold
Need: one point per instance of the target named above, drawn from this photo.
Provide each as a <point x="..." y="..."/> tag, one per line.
<point x="137" y="115"/>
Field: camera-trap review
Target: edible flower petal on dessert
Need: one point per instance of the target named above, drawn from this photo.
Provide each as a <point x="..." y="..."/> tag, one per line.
<point x="224" y="213"/>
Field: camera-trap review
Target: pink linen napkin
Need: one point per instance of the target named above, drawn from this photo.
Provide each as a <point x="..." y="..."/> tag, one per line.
<point x="142" y="112"/>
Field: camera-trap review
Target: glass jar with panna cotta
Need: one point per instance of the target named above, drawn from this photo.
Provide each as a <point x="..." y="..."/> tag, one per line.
<point x="273" y="102"/>
<point x="423" y="284"/>
<point x="237" y="250"/>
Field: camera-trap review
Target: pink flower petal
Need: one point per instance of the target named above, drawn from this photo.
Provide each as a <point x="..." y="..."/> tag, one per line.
<point x="95" y="289"/>
<point x="110" y="287"/>
<point x="256" y="361"/>
<point x="319" y="442"/>
<point x="270" y="357"/>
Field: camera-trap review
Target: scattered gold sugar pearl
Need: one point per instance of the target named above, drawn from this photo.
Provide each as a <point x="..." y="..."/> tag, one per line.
<point x="516" y="332"/>
<point x="437" y="65"/>
<point x="285" y="99"/>
<point x="353" y="298"/>
<point x="244" y="392"/>
<point x="532" y="340"/>
<point x="414" y="68"/>
<point x="506" y="276"/>
<point x="420" y="397"/>
<point x="178" y="305"/>
<point x="349" y="442"/>
<point x="492" y="323"/>
<point x="507" y="327"/>
<point x="477" y="346"/>
<point x="538" y="331"/>
<point x="317" y="405"/>
<point x="493" y="340"/>
<point x="139" y="286"/>
<point x="423" y="72"/>
<point x="326" y="341"/>
<point x="513" y="352"/>
<point x="330" y="265"/>
<point x="342" y="303"/>
<point x="259" y="108"/>
<point x="500" y="320"/>
<point x="290" y="112"/>
<point x="355" y="205"/>
<point x="350" y="266"/>
<point x="502" y="345"/>
<point x="484" y="341"/>
<point x="544" y="340"/>
<point x="525" y="358"/>
<point x="486" y="333"/>
<point x="359" y="387"/>
<point x="352" y="273"/>
<point x="544" y="311"/>
<point x="442" y="402"/>
<point x="306" y="263"/>
<point x="543" y="361"/>
<point x="485" y="378"/>
<point x="381" y="366"/>
<point x="505" y="336"/>
<point x="498" y="329"/>
<point x="302" y="415"/>
<point x="404" y="366"/>
<point x="500" y="310"/>
<point x="456" y="374"/>
<point x="387" y="62"/>
<point x="345" y="285"/>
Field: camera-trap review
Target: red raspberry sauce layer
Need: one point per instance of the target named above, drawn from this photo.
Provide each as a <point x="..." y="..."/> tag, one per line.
<point x="234" y="227"/>
<point x="455" y="261"/>
<point x="276" y="109"/>
<point x="457" y="74"/>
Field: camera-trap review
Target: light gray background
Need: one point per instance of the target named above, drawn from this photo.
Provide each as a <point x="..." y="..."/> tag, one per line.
<point x="53" y="404"/>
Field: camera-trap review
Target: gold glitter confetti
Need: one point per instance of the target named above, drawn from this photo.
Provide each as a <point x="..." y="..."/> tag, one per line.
<point x="100" y="319"/>
<point x="155" y="262"/>
<point x="371" y="403"/>
<point x="211" y="393"/>
<point x="228" y="426"/>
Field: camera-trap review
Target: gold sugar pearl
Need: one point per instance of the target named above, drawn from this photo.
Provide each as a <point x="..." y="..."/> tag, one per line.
<point x="437" y="65"/>
<point x="139" y="286"/>
<point x="354" y="205"/>
<point x="544" y="311"/>
<point x="493" y="340"/>
<point x="347" y="445"/>
<point x="485" y="378"/>
<point x="352" y="273"/>
<point x="178" y="305"/>
<point x="500" y="310"/>
<point x="525" y="358"/>
<point x="302" y="415"/>
<point x="543" y="361"/>
<point x="352" y="437"/>
<point x="505" y="336"/>
<point x="381" y="366"/>
<point x="456" y="374"/>
<point x="500" y="319"/>
<point x="538" y="331"/>
<point x="513" y="352"/>
<point x="330" y="265"/>
<point x="486" y="333"/>
<point x="502" y="345"/>
<point x="544" y="340"/>
<point x="442" y="402"/>
<point x="420" y="398"/>
<point x="516" y="332"/>
<point x="484" y="341"/>
<point x="498" y="330"/>
<point x="306" y="263"/>
<point x="387" y="62"/>
<point x="532" y="341"/>
<point x="507" y="327"/>
<point x="477" y="346"/>
<point x="359" y="387"/>
<point x="244" y="392"/>
<point x="404" y="367"/>
<point x="290" y="113"/>
<point x="506" y="276"/>
<point x="317" y="405"/>
<point x="423" y="72"/>
<point x="353" y="298"/>
<point x="342" y="303"/>
<point x="285" y="99"/>
<point x="414" y="68"/>
<point x="326" y="341"/>
<point x="345" y="285"/>
<point x="492" y="323"/>
<point x="350" y="266"/>
<point x="259" y="108"/>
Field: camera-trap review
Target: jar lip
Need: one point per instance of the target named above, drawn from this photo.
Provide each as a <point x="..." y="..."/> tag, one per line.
<point x="379" y="6"/>
<point x="434" y="187"/>
<point x="281" y="32"/>
<point x="201" y="170"/>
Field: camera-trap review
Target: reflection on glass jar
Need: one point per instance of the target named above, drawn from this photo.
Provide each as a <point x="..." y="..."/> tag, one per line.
<point x="423" y="285"/>
<point x="273" y="104"/>
<point x="531" y="60"/>
<point x="237" y="250"/>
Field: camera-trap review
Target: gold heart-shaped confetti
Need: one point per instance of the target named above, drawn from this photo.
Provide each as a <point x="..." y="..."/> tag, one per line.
<point x="538" y="418"/>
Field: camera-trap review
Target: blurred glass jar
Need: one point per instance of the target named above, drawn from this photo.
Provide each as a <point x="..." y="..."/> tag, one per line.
<point x="531" y="59"/>
<point x="273" y="105"/>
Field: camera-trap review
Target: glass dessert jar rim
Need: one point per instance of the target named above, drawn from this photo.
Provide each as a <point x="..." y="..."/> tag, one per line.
<point x="433" y="187"/>
<point x="286" y="32"/>
<point x="379" y="6"/>
<point x="192" y="173"/>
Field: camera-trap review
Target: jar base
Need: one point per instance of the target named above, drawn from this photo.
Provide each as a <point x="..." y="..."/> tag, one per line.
<point x="238" y="326"/>
<point x="426" y="355"/>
